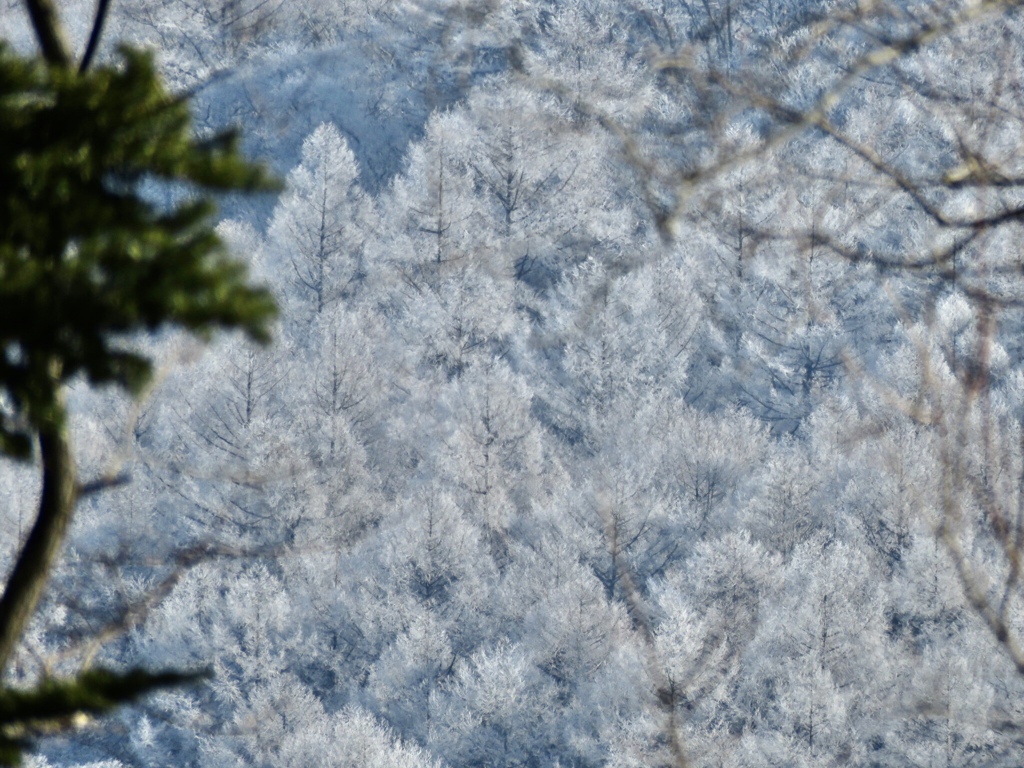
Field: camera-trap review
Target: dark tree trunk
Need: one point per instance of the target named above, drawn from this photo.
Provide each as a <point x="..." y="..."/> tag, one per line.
<point x="39" y="554"/>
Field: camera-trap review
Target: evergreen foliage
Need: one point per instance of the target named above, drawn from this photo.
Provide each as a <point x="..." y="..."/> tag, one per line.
<point x="91" y="253"/>
<point x="88" y="253"/>
<point x="56" y="704"/>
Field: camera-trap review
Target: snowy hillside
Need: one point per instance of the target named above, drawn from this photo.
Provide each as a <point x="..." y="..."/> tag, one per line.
<point x="647" y="391"/>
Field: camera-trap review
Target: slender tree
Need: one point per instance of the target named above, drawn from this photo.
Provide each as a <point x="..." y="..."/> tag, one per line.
<point x="87" y="258"/>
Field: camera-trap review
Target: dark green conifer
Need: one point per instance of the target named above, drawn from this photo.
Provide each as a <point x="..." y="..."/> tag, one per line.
<point x="92" y="252"/>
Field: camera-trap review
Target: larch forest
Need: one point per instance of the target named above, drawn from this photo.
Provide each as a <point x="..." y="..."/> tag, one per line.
<point x="647" y="390"/>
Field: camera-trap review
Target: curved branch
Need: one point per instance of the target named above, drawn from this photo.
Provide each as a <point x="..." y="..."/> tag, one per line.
<point x="102" y="6"/>
<point x="39" y="554"/>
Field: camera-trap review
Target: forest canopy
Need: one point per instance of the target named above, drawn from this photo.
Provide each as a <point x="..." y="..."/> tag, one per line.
<point x="647" y="390"/>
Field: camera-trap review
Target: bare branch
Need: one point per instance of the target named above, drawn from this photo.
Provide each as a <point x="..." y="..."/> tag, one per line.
<point x="35" y="562"/>
<point x="102" y="7"/>
<point x="49" y="32"/>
